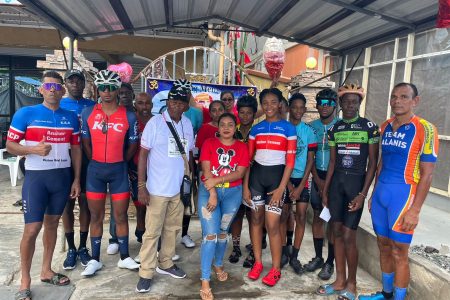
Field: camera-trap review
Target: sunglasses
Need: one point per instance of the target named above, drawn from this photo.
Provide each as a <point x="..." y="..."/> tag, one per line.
<point x="326" y="102"/>
<point x="110" y="87"/>
<point x="48" y="86"/>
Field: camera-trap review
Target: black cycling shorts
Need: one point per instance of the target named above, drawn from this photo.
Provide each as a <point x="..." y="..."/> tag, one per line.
<point x="263" y="180"/>
<point x="316" y="200"/>
<point x="344" y="188"/>
<point x="304" y="195"/>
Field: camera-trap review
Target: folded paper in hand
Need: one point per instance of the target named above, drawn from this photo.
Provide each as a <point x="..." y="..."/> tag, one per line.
<point x="325" y="214"/>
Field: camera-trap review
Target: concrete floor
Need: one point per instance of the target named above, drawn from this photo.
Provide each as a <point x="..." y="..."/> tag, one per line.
<point x="114" y="283"/>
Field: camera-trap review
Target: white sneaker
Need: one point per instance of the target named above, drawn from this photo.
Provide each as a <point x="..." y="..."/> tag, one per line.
<point x="112" y="249"/>
<point x="128" y="263"/>
<point x="92" y="267"/>
<point x="187" y="241"/>
<point x="174" y="258"/>
<point x="137" y="259"/>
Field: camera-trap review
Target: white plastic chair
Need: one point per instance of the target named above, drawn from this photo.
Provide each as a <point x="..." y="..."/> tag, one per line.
<point x="13" y="164"/>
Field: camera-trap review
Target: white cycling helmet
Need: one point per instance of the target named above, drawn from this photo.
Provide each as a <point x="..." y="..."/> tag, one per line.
<point x="184" y="84"/>
<point x="107" y="77"/>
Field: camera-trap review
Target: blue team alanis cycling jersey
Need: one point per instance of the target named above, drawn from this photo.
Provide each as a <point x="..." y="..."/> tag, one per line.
<point x="59" y="128"/>
<point x="323" y="149"/>
<point x="402" y="151"/>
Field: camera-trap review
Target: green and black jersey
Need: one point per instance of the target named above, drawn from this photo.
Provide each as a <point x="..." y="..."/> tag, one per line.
<point x="351" y="139"/>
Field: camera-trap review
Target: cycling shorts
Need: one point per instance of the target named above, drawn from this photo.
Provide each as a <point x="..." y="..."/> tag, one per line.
<point x="263" y="180"/>
<point x="390" y="202"/>
<point x="45" y="192"/>
<point x="304" y="195"/>
<point x="99" y="175"/>
<point x="316" y="200"/>
<point x="133" y="182"/>
<point x="344" y="188"/>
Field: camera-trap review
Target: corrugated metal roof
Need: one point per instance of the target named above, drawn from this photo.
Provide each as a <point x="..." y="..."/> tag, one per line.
<point x="335" y="25"/>
<point x="17" y="16"/>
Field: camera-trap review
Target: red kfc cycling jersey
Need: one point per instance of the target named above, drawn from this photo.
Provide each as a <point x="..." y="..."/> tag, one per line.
<point x="108" y="134"/>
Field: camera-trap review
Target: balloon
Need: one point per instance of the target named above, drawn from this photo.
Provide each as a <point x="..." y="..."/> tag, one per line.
<point x="311" y="62"/>
<point x="124" y="70"/>
<point x="274" y="57"/>
<point x="66" y="43"/>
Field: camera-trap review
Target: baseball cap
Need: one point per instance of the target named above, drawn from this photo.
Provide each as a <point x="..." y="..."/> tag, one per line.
<point x="178" y="93"/>
<point x="74" y="72"/>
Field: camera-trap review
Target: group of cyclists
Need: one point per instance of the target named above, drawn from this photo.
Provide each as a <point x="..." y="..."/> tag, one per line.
<point x="269" y="172"/>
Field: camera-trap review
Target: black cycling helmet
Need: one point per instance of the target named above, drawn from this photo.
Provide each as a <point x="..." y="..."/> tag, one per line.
<point x="326" y="94"/>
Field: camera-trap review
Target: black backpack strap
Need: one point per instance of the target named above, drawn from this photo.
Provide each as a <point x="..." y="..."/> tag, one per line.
<point x="177" y="138"/>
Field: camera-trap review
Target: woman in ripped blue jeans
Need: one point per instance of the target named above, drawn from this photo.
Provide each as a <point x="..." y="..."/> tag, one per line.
<point x="224" y="161"/>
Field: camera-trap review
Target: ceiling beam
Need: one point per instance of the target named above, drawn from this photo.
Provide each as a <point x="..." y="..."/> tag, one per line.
<point x="289" y="38"/>
<point x="149" y="27"/>
<point x="278" y="13"/>
<point x="168" y="10"/>
<point x="121" y="13"/>
<point x="422" y="25"/>
<point x="371" y="13"/>
<point x="332" y="20"/>
<point x="38" y="8"/>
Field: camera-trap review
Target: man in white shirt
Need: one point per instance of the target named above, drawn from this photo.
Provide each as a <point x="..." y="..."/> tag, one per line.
<point x="160" y="173"/>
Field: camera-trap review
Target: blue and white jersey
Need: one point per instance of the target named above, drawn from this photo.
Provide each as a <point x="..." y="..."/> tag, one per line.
<point x="59" y="128"/>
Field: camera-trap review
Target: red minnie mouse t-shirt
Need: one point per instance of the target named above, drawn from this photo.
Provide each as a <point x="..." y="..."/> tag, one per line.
<point x="225" y="159"/>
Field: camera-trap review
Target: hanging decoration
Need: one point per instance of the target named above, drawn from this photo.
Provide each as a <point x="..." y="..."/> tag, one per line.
<point x="274" y="58"/>
<point x="66" y="43"/>
<point x="443" y="17"/>
<point x="124" y="70"/>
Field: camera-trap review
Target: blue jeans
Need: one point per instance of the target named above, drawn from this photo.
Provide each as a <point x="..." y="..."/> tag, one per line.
<point x="216" y="223"/>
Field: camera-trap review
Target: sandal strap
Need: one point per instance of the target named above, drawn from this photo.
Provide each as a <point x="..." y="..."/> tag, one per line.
<point x="222" y="276"/>
<point x="23" y="294"/>
<point x="206" y="294"/>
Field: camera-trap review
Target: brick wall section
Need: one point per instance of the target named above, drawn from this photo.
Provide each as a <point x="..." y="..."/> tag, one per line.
<point x="310" y="91"/>
<point x="56" y="62"/>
